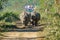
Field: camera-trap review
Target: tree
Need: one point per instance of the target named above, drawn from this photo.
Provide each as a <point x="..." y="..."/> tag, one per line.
<point x="58" y="5"/>
<point x="1" y="3"/>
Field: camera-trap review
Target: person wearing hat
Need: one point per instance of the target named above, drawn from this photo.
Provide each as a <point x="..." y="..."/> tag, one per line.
<point x="30" y="15"/>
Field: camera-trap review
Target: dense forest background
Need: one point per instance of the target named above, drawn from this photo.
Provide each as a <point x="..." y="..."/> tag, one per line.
<point x="48" y="9"/>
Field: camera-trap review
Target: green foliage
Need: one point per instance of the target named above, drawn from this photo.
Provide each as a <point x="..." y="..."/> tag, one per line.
<point x="10" y="17"/>
<point x="1" y="5"/>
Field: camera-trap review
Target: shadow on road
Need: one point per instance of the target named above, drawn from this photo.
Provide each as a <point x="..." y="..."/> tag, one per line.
<point x="13" y="28"/>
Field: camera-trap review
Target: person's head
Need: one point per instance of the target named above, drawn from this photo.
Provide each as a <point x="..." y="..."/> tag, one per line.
<point x="29" y="8"/>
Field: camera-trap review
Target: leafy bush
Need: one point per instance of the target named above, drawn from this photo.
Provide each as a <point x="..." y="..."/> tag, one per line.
<point x="9" y="17"/>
